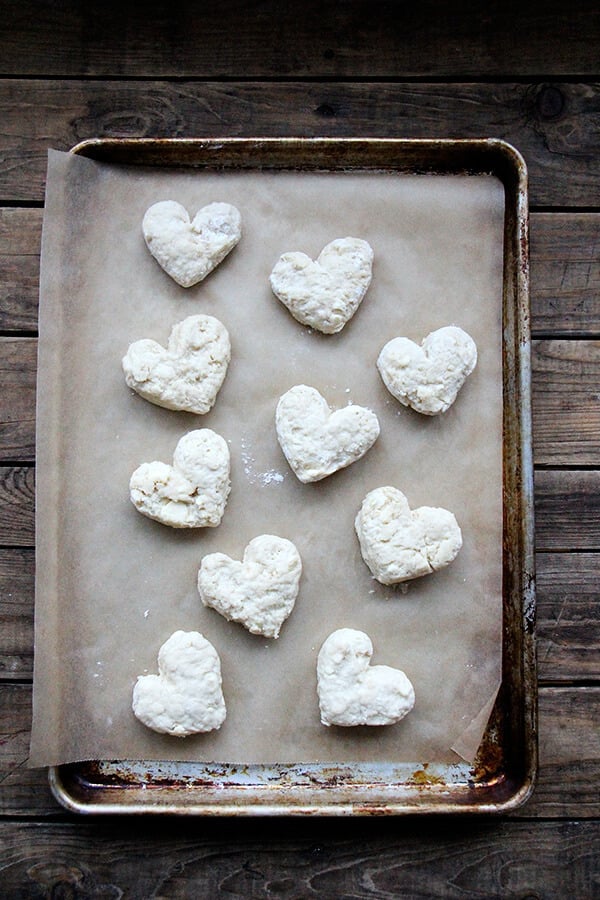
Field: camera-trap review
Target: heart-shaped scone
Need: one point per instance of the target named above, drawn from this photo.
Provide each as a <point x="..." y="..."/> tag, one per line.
<point x="428" y="377"/>
<point x="353" y="692"/>
<point x="186" y="696"/>
<point x="189" y="250"/>
<point x="189" y="373"/>
<point x="399" y="544"/>
<point x="193" y="492"/>
<point x="325" y="293"/>
<point x="316" y="441"/>
<point x="259" y="592"/>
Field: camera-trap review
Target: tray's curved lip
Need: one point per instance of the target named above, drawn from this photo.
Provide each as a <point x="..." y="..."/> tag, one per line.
<point x="509" y="161"/>
<point x="338" y="800"/>
<point x="510" y="166"/>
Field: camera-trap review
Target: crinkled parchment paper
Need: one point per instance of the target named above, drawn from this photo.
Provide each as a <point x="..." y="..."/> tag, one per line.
<point x="112" y="585"/>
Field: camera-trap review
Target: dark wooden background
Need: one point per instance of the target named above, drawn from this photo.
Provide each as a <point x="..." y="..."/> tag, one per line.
<point x="523" y="71"/>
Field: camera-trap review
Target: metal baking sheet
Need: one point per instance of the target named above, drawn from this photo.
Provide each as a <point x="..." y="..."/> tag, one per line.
<point x="503" y="773"/>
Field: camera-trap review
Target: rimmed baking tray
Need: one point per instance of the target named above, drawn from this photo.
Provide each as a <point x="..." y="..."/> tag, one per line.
<point x="503" y="773"/>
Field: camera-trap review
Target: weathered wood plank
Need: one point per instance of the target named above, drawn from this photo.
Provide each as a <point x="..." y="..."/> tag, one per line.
<point x="565" y="272"/>
<point x="358" y="859"/>
<point x="18" y="365"/>
<point x="567" y="510"/>
<point x="22" y="790"/>
<point x="16" y="612"/>
<point x="20" y="238"/>
<point x="20" y="232"/>
<point x="568" y="738"/>
<point x="568" y="616"/>
<point x="569" y="748"/>
<point x="17" y="506"/>
<point x="553" y="126"/>
<point x="324" y="39"/>
<point x="566" y="413"/>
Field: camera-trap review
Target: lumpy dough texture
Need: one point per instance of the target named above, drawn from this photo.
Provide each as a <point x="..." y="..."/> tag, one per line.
<point x="186" y="696"/>
<point x="193" y="492"/>
<point x="324" y="293"/>
<point x="428" y="377"/>
<point x="399" y="544"/>
<point x="188" y="374"/>
<point x="353" y="692"/>
<point x="317" y="441"/>
<point x="260" y="591"/>
<point x="189" y="250"/>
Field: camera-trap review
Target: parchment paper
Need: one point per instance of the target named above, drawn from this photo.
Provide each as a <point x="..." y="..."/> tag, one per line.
<point x="112" y="585"/>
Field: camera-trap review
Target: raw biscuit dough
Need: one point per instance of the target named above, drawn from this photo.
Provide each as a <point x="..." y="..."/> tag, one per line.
<point x="193" y="492"/>
<point x="316" y="441"/>
<point x="259" y="592"/>
<point x="353" y="692"/>
<point x="189" y="373"/>
<point x="186" y="696"/>
<point x="428" y="377"/>
<point x="326" y="292"/>
<point x="189" y="250"/>
<point x="399" y="544"/>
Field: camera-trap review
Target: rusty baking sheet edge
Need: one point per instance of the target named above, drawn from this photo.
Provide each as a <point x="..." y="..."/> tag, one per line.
<point x="503" y="775"/>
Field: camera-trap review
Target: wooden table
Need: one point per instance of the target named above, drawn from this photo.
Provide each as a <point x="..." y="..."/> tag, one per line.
<point x="72" y="70"/>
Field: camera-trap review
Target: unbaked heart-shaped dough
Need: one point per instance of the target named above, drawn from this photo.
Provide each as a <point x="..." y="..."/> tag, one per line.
<point x="326" y="292"/>
<point x="399" y="544"/>
<point x="428" y="377"/>
<point x="189" y="250"/>
<point x="316" y="441"/>
<point x="260" y="591"/>
<point x="193" y="492"/>
<point x="188" y="374"/>
<point x="186" y="696"/>
<point x="352" y="691"/>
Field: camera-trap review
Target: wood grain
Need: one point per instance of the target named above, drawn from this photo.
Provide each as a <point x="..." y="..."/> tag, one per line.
<point x="357" y="859"/>
<point x="20" y="238"/>
<point x="18" y="366"/>
<point x="558" y="138"/>
<point x="566" y="411"/>
<point x="17" y="506"/>
<point x="567" y="510"/>
<point x="569" y="751"/>
<point x="16" y="612"/>
<point x="565" y="272"/>
<point x="20" y="788"/>
<point x="325" y="39"/>
<point x="568" y="616"/>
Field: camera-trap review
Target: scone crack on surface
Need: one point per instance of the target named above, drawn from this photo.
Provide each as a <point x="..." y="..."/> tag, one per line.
<point x="353" y="692"/>
<point x="324" y="293"/>
<point x="399" y="544"/>
<point x="188" y="250"/>
<point x="186" y="697"/>
<point x="260" y="591"/>
<point x="317" y="441"/>
<point x="428" y="377"/>
<point x="188" y="374"/>
<point x="193" y="492"/>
